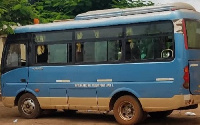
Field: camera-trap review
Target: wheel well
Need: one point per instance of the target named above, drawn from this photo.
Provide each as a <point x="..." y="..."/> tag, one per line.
<point x="117" y="95"/>
<point x="18" y="96"/>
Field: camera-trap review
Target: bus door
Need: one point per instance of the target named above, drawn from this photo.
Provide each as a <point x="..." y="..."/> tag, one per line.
<point x="14" y="68"/>
<point x="194" y="72"/>
<point x="192" y="31"/>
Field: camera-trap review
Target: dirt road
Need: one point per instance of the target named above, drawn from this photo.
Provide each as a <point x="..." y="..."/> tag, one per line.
<point x="10" y="116"/>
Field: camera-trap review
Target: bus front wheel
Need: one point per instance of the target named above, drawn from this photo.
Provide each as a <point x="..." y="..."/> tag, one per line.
<point x="127" y="110"/>
<point x="29" y="106"/>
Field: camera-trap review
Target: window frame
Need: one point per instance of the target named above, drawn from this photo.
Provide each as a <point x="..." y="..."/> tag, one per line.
<point x="195" y="20"/>
<point x="15" y="40"/>
<point x="96" y="28"/>
<point x="123" y="39"/>
<point x="34" y="49"/>
<point x="156" y="35"/>
<point x="100" y="40"/>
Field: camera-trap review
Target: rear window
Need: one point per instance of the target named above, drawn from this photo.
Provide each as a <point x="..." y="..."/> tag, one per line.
<point x="193" y="34"/>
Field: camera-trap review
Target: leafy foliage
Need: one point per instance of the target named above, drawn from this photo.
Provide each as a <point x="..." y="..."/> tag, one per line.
<point x="131" y="3"/>
<point x="49" y="11"/>
<point x="14" y="12"/>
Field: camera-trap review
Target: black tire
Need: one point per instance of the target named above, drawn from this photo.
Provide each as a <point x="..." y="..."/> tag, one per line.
<point x="161" y="114"/>
<point x="29" y="106"/>
<point x="144" y="117"/>
<point x="127" y="110"/>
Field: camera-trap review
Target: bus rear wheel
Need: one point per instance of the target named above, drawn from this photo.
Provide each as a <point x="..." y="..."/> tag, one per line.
<point x="28" y="106"/>
<point x="127" y="110"/>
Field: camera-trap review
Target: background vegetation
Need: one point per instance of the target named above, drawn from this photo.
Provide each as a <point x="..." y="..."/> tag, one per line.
<point x="22" y="12"/>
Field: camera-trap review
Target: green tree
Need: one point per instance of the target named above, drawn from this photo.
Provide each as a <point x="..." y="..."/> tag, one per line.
<point x="51" y="10"/>
<point x="14" y="12"/>
<point x="130" y="3"/>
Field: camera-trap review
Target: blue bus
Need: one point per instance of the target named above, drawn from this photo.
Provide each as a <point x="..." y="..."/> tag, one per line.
<point x="134" y="62"/>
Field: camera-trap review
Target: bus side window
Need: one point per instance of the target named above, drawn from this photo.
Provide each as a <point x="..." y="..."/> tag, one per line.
<point x="16" y="55"/>
<point x="114" y="50"/>
<point x="42" y="54"/>
<point x="100" y="51"/>
<point x="154" y="48"/>
<point x="168" y="51"/>
<point x="79" y="52"/>
<point x="54" y="53"/>
<point x="132" y="50"/>
<point x="150" y="44"/>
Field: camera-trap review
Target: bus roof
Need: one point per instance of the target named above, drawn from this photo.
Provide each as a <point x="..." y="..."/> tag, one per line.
<point x="173" y="13"/>
<point x="133" y="11"/>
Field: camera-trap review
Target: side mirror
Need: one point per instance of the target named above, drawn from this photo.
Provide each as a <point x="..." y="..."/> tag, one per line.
<point x="167" y="53"/>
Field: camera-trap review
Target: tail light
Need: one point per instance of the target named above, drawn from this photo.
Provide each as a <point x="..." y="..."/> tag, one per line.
<point x="186" y="78"/>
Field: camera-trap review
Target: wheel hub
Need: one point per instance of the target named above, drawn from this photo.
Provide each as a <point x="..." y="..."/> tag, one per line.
<point x="127" y="111"/>
<point x="28" y="106"/>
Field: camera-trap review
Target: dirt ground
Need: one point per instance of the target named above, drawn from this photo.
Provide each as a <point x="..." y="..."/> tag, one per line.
<point x="10" y="116"/>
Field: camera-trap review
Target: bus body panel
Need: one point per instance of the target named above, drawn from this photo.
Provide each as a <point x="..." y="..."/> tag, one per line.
<point x="194" y="68"/>
<point x="79" y="77"/>
<point x="194" y="71"/>
<point x="14" y="81"/>
<point x="193" y="55"/>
